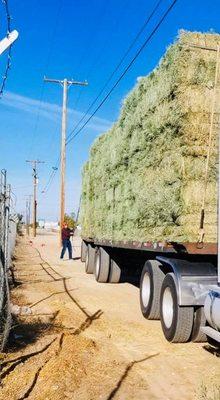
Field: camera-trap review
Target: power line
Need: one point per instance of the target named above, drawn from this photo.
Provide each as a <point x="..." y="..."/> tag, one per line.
<point x="51" y="177"/>
<point x="54" y="169"/>
<point x="155" y="8"/>
<point x="96" y="61"/>
<point x="39" y="109"/>
<point x="125" y="70"/>
<point x="70" y="138"/>
<point x="91" y="45"/>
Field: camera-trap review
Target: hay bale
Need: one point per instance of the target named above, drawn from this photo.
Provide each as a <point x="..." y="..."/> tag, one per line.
<point x="145" y="177"/>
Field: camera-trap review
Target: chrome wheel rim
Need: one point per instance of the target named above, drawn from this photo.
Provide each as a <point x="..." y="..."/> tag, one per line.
<point x="145" y="290"/>
<point x="167" y="307"/>
<point x="87" y="260"/>
<point x="97" y="265"/>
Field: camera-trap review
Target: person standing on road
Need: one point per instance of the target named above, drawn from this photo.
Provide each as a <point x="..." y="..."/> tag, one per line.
<point x="66" y="233"/>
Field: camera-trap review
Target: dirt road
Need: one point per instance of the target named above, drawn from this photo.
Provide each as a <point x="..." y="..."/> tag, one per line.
<point x="86" y="340"/>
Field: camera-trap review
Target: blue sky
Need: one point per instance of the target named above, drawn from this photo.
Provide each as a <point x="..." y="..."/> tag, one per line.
<point x="80" y="40"/>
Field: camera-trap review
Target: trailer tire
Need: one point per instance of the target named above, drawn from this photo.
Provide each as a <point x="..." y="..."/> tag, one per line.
<point x="176" y="321"/>
<point x="102" y="265"/>
<point x="150" y="288"/>
<point x="84" y="251"/>
<point x="115" y="272"/>
<point x="90" y="259"/>
<point x="197" y="336"/>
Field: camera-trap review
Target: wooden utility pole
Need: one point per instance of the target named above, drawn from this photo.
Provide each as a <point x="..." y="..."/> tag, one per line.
<point x="65" y="83"/>
<point x="34" y="167"/>
<point x="27" y="219"/>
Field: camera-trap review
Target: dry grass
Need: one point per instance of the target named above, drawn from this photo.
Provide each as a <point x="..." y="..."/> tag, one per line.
<point x="209" y="391"/>
<point x="145" y="176"/>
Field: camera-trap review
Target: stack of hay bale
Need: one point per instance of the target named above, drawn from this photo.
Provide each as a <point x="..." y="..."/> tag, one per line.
<point x="145" y="177"/>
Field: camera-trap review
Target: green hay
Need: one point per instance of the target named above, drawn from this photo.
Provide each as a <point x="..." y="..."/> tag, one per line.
<point x="145" y="177"/>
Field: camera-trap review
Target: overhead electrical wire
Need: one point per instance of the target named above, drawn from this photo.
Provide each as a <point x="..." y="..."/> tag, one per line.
<point x="51" y="46"/>
<point x="43" y="88"/>
<point x="115" y="24"/>
<point x="148" y="39"/>
<point x="71" y="137"/>
<point x="54" y="169"/>
<point x="51" y="177"/>
<point x="47" y="186"/>
<point x="91" y="45"/>
<point x="53" y="173"/>
<point x="146" y="22"/>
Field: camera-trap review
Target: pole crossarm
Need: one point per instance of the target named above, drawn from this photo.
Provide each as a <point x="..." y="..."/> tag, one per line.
<point x="35" y="162"/>
<point x="69" y="82"/>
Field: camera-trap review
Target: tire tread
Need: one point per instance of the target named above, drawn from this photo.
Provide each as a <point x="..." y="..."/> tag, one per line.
<point x="181" y="327"/>
<point x="104" y="265"/>
<point x="152" y="267"/>
<point x="89" y="266"/>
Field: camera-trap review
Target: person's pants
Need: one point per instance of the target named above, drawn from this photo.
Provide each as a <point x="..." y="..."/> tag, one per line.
<point x="66" y="245"/>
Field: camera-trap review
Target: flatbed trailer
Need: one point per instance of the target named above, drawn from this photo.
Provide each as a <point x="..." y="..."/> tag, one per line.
<point x="179" y="282"/>
<point x="164" y="247"/>
<point x="175" y="279"/>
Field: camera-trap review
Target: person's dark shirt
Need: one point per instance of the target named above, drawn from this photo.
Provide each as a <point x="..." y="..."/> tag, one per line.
<point x="66" y="233"/>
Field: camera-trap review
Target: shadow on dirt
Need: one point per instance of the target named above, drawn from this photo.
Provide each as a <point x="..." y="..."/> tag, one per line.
<point x="24" y="333"/>
<point x="215" y="351"/>
<point x="12" y="364"/>
<point x="49" y="296"/>
<point x="89" y="320"/>
<point x="124" y="375"/>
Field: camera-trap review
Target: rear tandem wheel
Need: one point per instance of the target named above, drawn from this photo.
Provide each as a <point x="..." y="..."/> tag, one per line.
<point x="150" y="288"/>
<point x="176" y="320"/>
<point x="102" y="265"/>
<point x="84" y="251"/>
<point x="90" y="259"/>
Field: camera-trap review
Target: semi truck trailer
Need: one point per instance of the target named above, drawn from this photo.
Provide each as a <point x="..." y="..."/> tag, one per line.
<point x="174" y="286"/>
<point x="149" y="195"/>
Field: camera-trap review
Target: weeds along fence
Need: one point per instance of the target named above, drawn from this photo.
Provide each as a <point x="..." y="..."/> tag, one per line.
<point x="8" y="230"/>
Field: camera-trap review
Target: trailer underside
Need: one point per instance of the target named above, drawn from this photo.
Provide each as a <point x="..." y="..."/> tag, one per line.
<point x="174" y="279"/>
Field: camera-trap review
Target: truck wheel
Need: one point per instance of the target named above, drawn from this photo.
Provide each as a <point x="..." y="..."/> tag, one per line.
<point x="150" y="287"/>
<point x="84" y="251"/>
<point x="90" y="259"/>
<point x="176" y="321"/>
<point x="199" y="320"/>
<point x="115" y="272"/>
<point x="102" y="265"/>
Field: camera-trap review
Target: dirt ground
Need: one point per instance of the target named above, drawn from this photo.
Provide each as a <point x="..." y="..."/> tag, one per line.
<point x="85" y="340"/>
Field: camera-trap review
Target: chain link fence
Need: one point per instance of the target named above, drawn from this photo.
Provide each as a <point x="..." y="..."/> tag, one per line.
<point x="8" y="230"/>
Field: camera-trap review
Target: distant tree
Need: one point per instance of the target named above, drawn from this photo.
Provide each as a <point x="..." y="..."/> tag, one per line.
<point x="70" y="220"/>
<point x="19" y="224"/>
